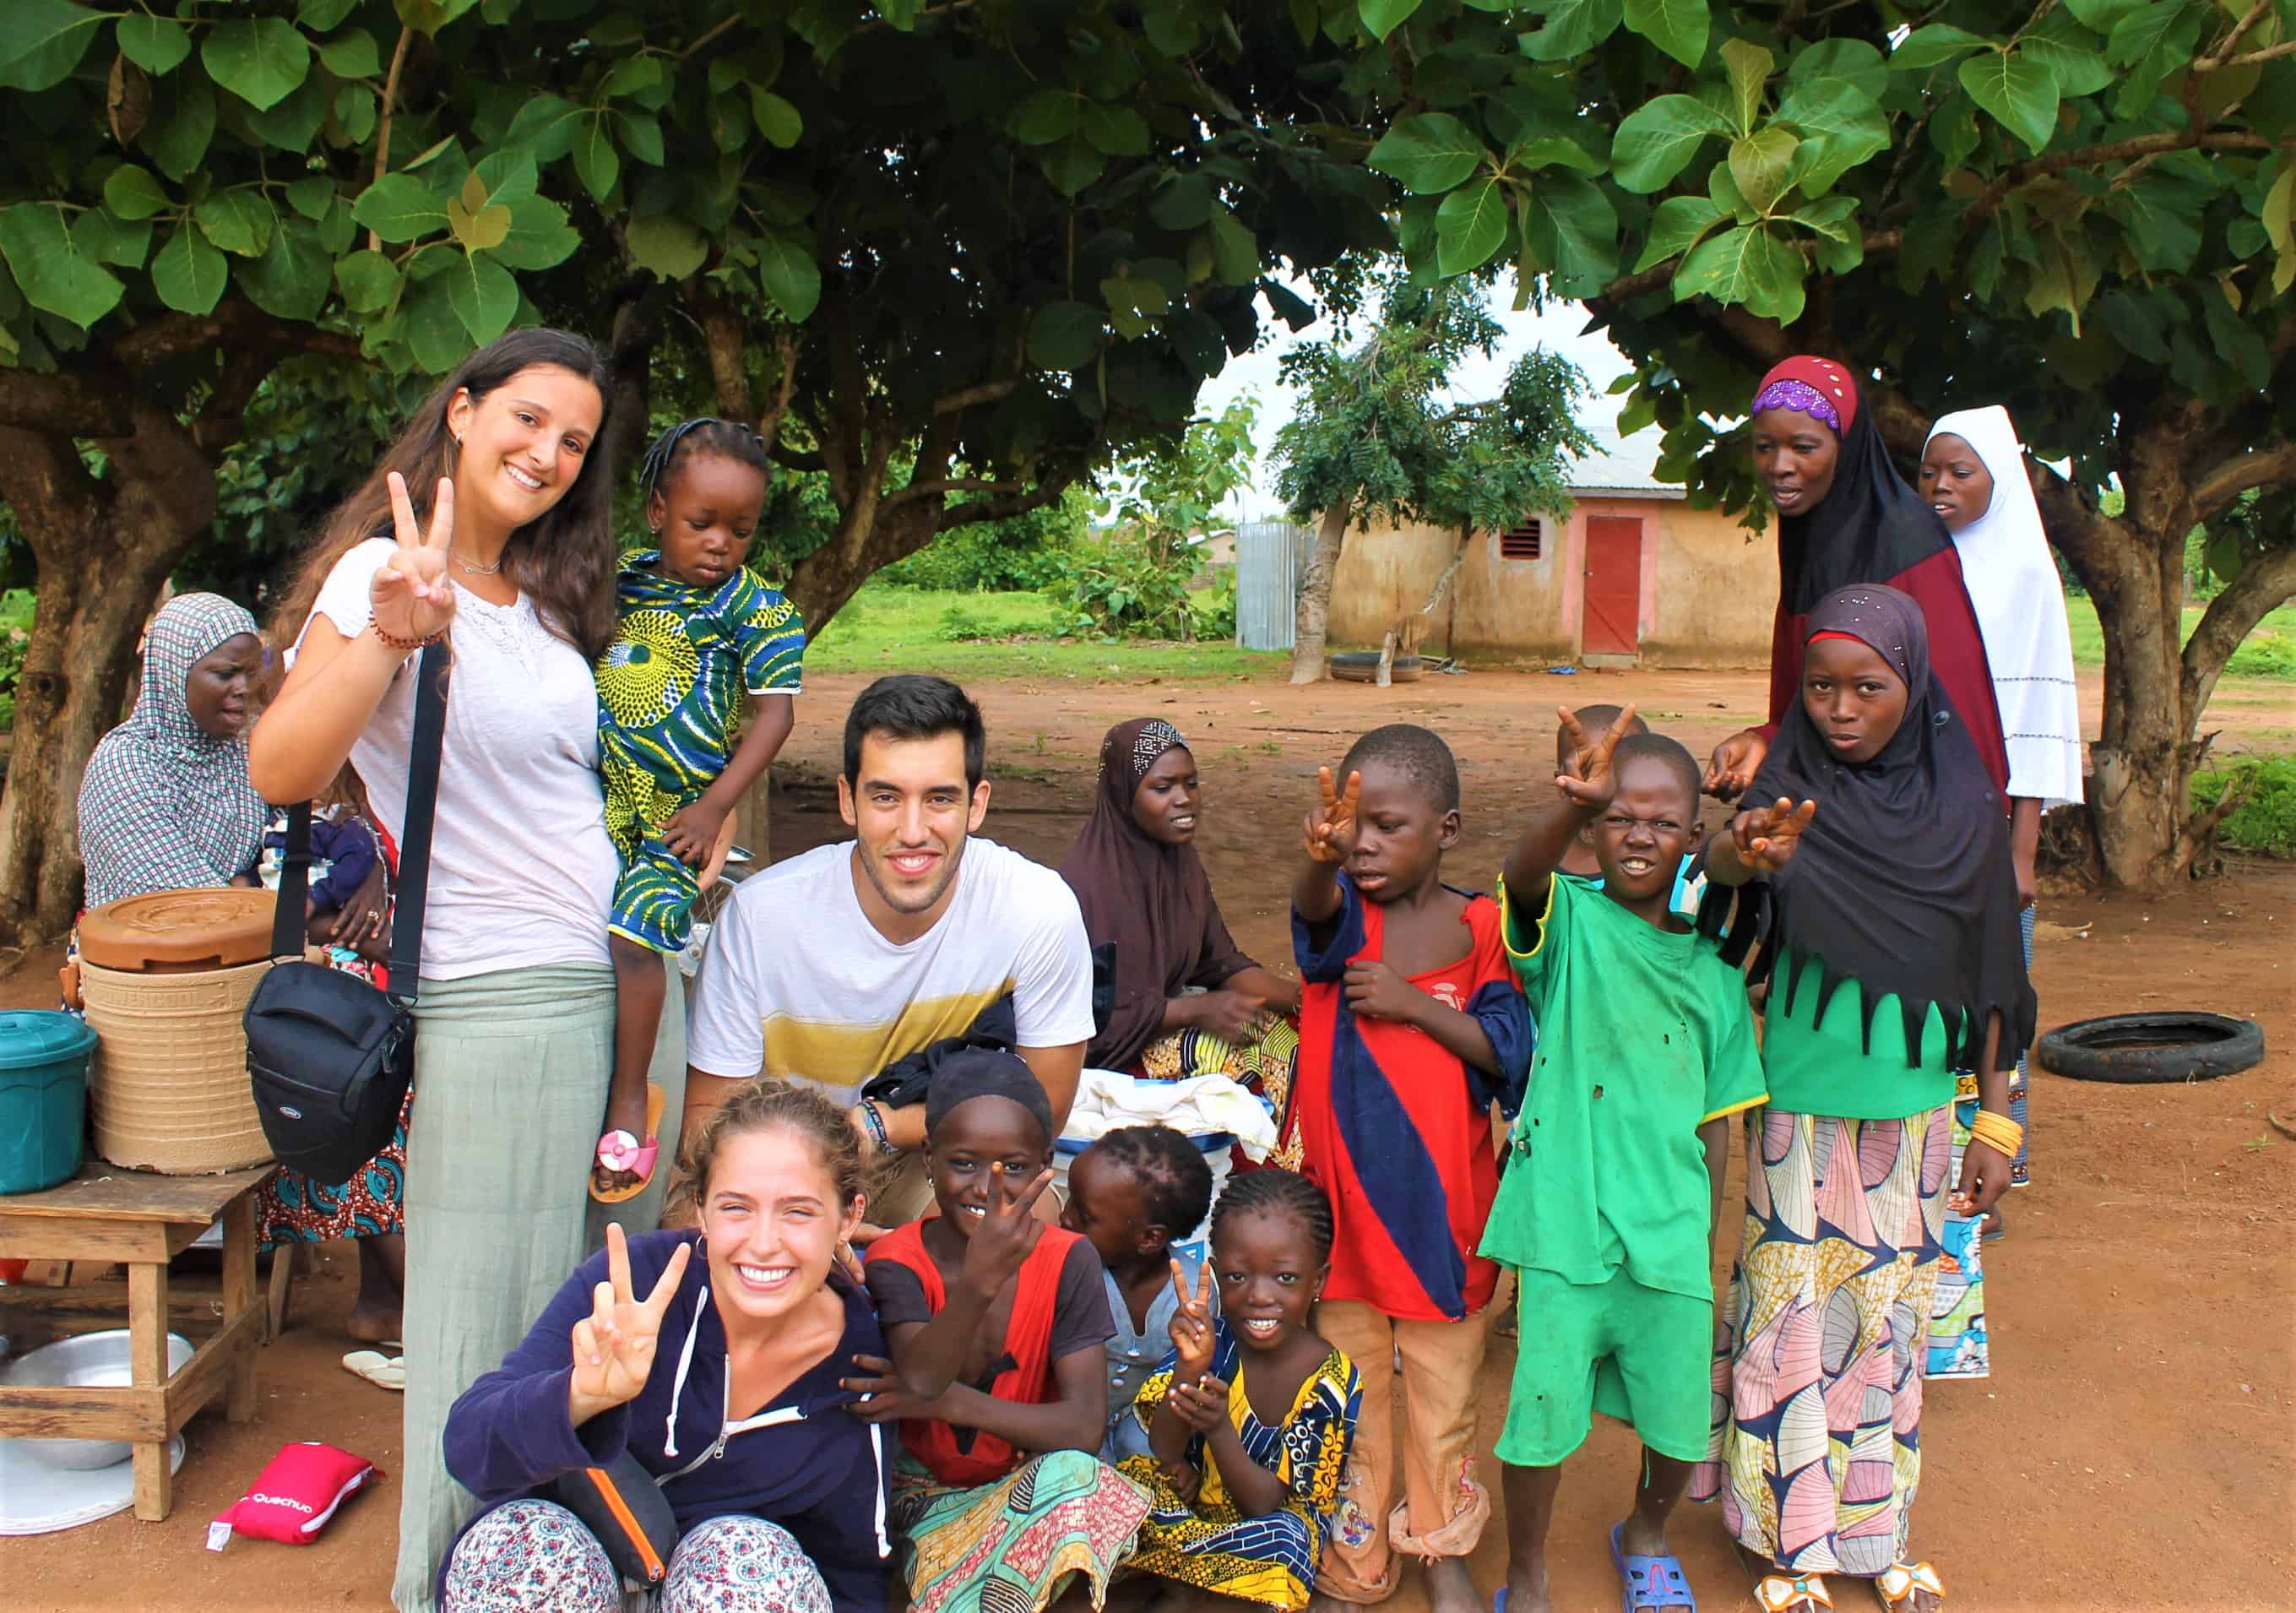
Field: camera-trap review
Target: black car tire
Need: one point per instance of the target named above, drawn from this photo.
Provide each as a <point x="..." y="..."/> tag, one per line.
<point x="2147" y="1048"/>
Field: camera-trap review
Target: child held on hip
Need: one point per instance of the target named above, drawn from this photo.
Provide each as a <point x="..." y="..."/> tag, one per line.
<point x="698" y="629"/>
<point x="1608" y="1209"/>
<point x="1412" y="1029"/>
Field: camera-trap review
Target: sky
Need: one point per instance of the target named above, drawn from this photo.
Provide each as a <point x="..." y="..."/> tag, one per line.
<point x="1557" y="329"/>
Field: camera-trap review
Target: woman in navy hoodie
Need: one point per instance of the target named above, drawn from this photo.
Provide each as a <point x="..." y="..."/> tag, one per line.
<point x="719" y="1375"/>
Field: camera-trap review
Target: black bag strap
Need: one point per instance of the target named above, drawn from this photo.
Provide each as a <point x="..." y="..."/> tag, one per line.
<point x="287" y="924"/>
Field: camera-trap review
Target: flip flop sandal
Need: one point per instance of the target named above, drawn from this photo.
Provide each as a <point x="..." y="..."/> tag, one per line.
<point x="1648" y="1582"/>
<point x="617" y="1150"/>
<point x="1899" y="1581"/>
<point x="1785" y="1593"/>
<point x="384" y="1371"/>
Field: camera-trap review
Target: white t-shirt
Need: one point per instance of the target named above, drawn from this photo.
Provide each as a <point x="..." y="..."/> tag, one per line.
<point x="522" y="871"/>
<point x="797" y="981"/>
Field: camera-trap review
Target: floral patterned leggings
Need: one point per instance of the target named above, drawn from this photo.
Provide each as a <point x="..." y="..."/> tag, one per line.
<point x="536" y="1556"/>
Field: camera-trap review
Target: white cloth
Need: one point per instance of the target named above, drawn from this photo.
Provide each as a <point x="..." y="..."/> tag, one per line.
<point x="2019" y="598"/>
<point x="798" y="983"/>
<point x="1200" y="1106"/>
<point x="522" y="871"/>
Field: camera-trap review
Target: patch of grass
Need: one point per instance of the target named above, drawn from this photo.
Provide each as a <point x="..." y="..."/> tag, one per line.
<point x="2266" y="823"/>
<point x="2269" y="651"/>
<point x="1006" y="635"/>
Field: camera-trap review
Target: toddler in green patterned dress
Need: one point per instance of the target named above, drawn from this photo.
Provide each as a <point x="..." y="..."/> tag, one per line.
<point x="698" y="629"/>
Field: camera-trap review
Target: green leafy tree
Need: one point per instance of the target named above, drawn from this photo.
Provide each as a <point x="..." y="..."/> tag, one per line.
<point x="999" y="243"/>
<point x="2080" y="211"/>
<point x="1375" y="437"/>
<point x="1133" y="583"/>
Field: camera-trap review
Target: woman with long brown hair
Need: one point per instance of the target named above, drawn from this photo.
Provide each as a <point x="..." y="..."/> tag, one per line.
<point x="489" y="522"/>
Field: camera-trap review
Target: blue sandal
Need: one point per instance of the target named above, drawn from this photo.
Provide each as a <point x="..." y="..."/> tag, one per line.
<point x="1649" y="1582"/>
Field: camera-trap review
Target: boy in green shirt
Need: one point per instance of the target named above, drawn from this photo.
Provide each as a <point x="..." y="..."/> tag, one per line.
<point x="1606" y="1212"/>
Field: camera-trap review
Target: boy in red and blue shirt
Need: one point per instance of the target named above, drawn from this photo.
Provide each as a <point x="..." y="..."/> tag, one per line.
<point x="1412" y="1027"/>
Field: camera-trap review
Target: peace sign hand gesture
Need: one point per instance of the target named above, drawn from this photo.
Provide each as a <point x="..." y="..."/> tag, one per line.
<point x="411" y="596"/>
<point x="1190" y="1325"/>
<point x="1331" y="833"/>
<point x="1766" y="836"/>
<point x="1008" y="1231"/>
<point x="1588" y="783"/>
<point x="614" y="1344"/>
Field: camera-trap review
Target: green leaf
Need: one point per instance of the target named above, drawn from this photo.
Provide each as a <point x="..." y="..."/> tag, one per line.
<point x="1044" y="117"/>
<point x="1182" y="201"/>
<point x="1853" y="59"/>
<point x="290" y="281"/>
<point x="1678" y="224"/>
<point x="157" y="44"/>
<point x="901" y="14"/>
<point x="1116" y="130"/>
<point x="1953" y="132"/>
<point x="427" y="17"/>
<point x="1066" y="335"/>
<point x="1844" y="125"/>
<point x="637" y="77"/>
<point x="1383" y="17"/>
<point x="539" y="236"/>
<point x="1573" y="228"/>
<point x="477" y="231"/>
<point x="483" y="296"/>
<point x="2078" y="71"/>
<point x="1657" y="140"/>
<point x="641" y="137"/>
<point x="777" y="120"/>
<point x="1676" y="27"/>
<point x="179" y="142"/>
<point x="351" y="54"/>
<point x="2164" y="207"/>
<point x="2102" y="14"/>
<point x="1572" y="27"/>
<point x="1931" y="43"/>
<point x="666" y="244"/>
<point x="1235" y="252"/>
<point x="1749" y="66"/>
<point x="502" y="178"/>
<point x="433" y="333"/>
<point x="399" y="207"/>
<point x="41" y="42"/>
<point x="1552" y="151"/>
<point x="1840" y="244"/>
<point x="1072" y="164"/>
<point x="1428" y="153"/>
<point x="188" y="275"/>
<point x="51" y="270"/>
<point x="105" y="237"/>
<point x="321" y="16"/>
<point x="546" y="127"/>
<point x="262" y="62"/>
<point x="597" y="163"/>
<point x="2136" y="34"/>
<point x="132" y="192"/>
<point x="1470" y="226"/>
<point x="314" y="197"/>
<point x="368" y="280"/>
<point x="2279" y="205"/>
<point x="1758" y="162"/>
<point x="2021" y="94"/>
<point x="791" y="278"/>
<point x="354" y="115"/>
<point x="294" y="122"/>
<point x="1747" y="266"/>
<point x="238" y="220"/>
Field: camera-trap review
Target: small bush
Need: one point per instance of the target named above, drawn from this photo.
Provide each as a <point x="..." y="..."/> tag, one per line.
<point x="961" y="626"/>
<point x="2266" y="823"/>
<point x="2263" y="654"/>
<point x="1132" y="587"/>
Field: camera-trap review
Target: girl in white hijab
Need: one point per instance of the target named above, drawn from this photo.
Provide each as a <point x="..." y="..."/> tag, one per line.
<point x="1973" y="475"/>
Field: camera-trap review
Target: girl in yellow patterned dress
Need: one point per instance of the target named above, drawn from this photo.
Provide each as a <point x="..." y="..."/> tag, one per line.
<point x="1248" y="1421"/>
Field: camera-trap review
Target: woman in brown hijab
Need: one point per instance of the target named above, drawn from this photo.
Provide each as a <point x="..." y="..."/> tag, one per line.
<point x="1188" y="1002"/>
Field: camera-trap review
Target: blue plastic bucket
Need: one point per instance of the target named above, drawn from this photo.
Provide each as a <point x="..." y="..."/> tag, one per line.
<point x="43" y="1098"/>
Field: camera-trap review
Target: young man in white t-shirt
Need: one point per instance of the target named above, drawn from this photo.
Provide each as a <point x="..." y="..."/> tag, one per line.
<point x="828" y="967"/>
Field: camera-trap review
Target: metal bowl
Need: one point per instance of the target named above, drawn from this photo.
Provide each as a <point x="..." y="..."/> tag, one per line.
<point x="85" y="1360"/>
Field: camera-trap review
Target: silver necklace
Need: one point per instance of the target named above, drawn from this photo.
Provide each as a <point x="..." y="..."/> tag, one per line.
<point x="476" y="570"/>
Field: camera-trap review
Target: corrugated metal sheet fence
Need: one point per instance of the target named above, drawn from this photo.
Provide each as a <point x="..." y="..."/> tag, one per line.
<point x="1271" y="563"/>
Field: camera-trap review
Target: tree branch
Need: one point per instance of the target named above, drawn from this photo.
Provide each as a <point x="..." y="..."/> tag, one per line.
<point x="382" y="125"/>
<point x="2219" y="58"/>
<point x="64" y="405"/>
<point x="2264" y="584"/>
<point x="2115" y="151"/>
<point x="987" y="391"/>
<point x="794" y="459"/>
<point x="1046" y="491"/>
<point x="2263" y="467"/>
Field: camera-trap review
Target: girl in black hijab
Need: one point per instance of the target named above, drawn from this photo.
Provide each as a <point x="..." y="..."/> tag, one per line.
<point x="1890" y="933"/>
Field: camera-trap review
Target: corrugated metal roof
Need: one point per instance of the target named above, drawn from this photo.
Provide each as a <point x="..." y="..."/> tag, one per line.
<point x="1619" y="466"/>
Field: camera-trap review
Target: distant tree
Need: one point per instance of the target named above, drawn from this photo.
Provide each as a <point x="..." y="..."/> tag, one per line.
<point x="1376" y="437"/>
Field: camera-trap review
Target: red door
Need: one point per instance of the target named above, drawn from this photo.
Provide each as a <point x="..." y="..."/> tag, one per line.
<point x="1614" y="584"/>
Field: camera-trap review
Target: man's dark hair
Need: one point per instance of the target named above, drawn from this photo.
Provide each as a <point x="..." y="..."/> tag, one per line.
<point x="1417" y="753"/>
<point x="916" y="705"/>
<point x="1658" y="746"/>
<point x="1596" y="722"/>
<point x="1175" y="1181"/>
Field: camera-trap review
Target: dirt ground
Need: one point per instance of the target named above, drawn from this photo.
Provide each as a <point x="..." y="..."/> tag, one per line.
<point x="2130" y="1450"/>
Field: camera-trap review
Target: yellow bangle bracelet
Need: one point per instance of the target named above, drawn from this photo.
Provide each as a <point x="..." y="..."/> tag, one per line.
<point x="1997" y="1132"/>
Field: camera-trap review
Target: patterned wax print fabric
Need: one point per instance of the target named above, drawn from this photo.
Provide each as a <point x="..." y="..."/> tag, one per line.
<point x="2020" y="1087"/>
<point x="1817" y="1445"/>
<point x="1010" y="1546"/>
<point x="1395" y="1127"/>
<point x="1262" y="1063"/>
<point x="1269" y="1560"/>
<point x="536" y="1557"/>
<point x="165" y="804"/>
<point x="669" y="693"/>
<point x="1959" y="1343"/>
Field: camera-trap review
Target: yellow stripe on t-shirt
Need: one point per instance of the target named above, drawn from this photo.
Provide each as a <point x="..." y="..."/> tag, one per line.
<point x="842" y="1057"/>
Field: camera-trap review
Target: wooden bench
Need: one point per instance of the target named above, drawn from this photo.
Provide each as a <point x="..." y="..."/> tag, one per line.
<point x="142" y="1220"/>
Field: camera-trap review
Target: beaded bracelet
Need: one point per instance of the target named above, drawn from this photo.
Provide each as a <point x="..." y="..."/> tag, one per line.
<point x="405" y="646"/>
<point x="874" y="1120"/>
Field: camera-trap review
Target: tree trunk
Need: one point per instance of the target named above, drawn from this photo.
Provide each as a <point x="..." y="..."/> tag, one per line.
<point x="1312" y="620"/>
<point x="2143" y="757"/>
<point x="103" y="549"/>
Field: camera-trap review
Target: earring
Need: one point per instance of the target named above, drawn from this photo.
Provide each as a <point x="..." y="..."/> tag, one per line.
<point x="458" y="442"/>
